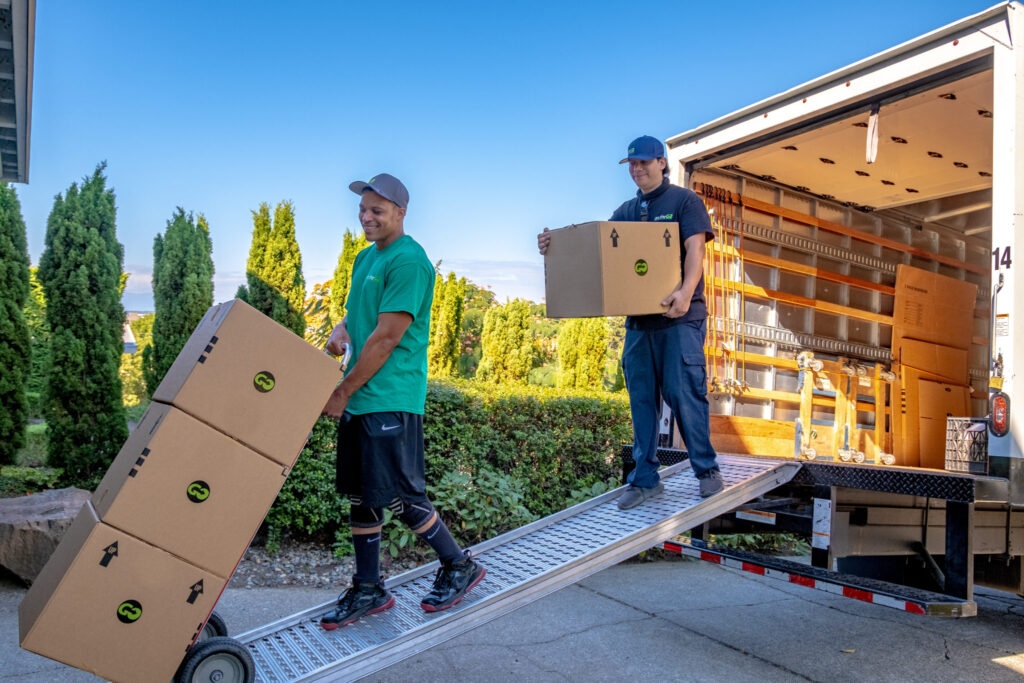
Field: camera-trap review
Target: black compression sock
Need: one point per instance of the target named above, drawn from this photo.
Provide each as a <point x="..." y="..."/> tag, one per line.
<point x="440" y="539"/>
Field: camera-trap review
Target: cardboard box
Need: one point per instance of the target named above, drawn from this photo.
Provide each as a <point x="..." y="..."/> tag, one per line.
<point x="188" y="489"/>
<point x="934" y="360"/>
<point x="604" y="268"/>
<point x="933" y="308"/>
<point x="249" y="377"/>
<point x="920" y="436"/>
<point x="938" y="401"/>
<point x="115" y="606"/>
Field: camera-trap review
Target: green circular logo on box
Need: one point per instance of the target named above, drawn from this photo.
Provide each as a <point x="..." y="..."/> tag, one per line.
<point x="263" y="381"/>
<point x="129" y="611"/>
<point x="198" y="491"/>
<point x="640" y="267"/>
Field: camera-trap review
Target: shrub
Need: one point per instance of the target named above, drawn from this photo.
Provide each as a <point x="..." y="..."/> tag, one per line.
<point x="308" y="502"/>
<point x="34" y="452"/>
<point x="479" y="507"/>
<point x="552" y="441"/>
<point x="496" y="458"/>
<point x="18" y="481"/>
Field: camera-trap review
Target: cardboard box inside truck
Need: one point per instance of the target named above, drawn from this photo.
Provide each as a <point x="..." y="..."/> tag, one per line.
<point x="933" y="308"/>
<point x="251" y="378"/>
<point x="184" y="487"/>
<point x="604" y="268"/>
<point x="115" y="606"/>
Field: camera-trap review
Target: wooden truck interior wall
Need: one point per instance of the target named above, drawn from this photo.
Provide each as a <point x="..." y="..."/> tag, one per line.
<point x="809" y="236"/>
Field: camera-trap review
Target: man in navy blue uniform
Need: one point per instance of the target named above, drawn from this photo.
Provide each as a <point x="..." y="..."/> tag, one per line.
<point x="663" y="355"/>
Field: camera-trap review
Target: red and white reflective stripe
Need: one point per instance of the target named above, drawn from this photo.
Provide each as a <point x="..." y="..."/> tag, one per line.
<point x="799" y="579"/>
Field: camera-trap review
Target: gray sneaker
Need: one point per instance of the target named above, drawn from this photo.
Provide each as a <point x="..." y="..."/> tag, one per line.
<point x="711" y="483"/>
<point x="635" y="495"/>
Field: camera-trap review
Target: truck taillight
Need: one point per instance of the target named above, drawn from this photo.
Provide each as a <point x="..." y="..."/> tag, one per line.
<point x="1000" y="422"/>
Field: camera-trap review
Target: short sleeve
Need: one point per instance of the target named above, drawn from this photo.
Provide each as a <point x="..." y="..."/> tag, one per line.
<point x="405" y="287"/>
<point x="694" y="218"/>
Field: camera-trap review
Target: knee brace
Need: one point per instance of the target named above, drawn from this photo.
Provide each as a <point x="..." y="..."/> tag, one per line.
<point x="415" y="515"/>
<point x="361" y="517"/>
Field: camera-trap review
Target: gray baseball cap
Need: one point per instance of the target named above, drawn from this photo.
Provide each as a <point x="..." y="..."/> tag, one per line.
<point x="387" y="186"/>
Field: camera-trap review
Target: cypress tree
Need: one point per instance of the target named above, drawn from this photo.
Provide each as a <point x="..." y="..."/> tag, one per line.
<point x="39" y="331"/>
<point x="507" y="347"/>
<point x="443" y="352"/>
<point x="351" y="245"/>
<point x="182" y="291"/>
<point x="582" y="346"/>
<point x="255" y="292"/>
<point x="81" y="274"/>
<point x="15" y="342"/>
<point x="435" y="311"/>
<point x="282" y="269"/>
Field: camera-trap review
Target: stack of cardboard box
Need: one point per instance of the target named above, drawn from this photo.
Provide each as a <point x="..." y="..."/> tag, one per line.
<point x="138" y="573"/>
<point x="933" y="321"/>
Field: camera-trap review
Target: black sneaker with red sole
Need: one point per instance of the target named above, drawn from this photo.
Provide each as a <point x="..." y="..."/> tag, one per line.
<point x="452" y="582"/>
<point x="358" y="601"/>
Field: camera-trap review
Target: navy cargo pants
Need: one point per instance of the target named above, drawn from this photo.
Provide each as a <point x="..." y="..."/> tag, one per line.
<point x="669" y="364"/>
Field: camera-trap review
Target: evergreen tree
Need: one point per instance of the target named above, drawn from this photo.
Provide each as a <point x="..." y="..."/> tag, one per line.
<point x="507" y="347"/>
<point x="435" y="308"/>
<point x="318" y="323"/>
<point x="255" y="292"/>
<point x="276" y="287"/>
<point x="15" y="342"/>
<point x="283" y="271"/>
<point x="351" y="245"/>
<point x="81" y="273"/>
<point x="39" y="331"/>
<point x="443" y="352"/>
<point x="478" y="301"/>
<point x="182" y="291"/>
<point x="582" y="345"/>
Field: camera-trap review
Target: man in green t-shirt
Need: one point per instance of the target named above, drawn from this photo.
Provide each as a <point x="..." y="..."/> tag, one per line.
<point x="380" y="407"/>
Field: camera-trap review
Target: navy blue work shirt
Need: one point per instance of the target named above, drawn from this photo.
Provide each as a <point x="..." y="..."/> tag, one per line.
<point x="671" y="204"/>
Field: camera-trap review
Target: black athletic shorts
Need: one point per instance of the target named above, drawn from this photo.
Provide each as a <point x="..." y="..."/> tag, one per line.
<point x="380" y="458"/>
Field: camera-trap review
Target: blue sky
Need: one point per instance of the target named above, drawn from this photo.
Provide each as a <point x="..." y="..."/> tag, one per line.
<point x="501" y="118"/>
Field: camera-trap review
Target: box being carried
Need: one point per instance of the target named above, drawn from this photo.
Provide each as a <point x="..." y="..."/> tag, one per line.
<point x="607" y="268"/>
<point x="251" y="378"/>
<point x="185" y="487"/>
<point x="115" y="606"/>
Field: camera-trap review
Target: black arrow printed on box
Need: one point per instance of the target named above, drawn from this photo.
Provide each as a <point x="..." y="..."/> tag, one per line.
<point x="615" y="238"/>
<point x="668" y="238"/>
<point x="197" y="590"/>
<point x="109" y="553"/>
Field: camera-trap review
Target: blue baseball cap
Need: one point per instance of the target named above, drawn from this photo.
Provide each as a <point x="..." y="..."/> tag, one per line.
<point x="645" y="147"/>
<point x="387" y="186"/>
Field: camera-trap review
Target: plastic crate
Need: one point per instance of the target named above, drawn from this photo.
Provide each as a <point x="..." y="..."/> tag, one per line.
<point x="967" y="444"/>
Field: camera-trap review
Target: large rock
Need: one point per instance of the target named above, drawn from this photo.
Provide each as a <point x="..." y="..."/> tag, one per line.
<point x="32" y="526"/>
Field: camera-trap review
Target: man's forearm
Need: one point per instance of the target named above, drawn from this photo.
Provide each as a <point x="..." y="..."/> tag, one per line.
<point x="372" y="357"/>
<point x="693" y="269"/>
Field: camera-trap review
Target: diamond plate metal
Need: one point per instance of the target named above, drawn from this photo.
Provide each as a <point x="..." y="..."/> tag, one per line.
<point x="955" y="487"/>
<point x="522" y="566"/>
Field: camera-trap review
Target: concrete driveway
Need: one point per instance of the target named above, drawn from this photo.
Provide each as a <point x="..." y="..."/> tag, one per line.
<point x="677" y="619"/>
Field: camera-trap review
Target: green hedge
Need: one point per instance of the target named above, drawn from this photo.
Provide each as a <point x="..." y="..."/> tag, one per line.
<point x="496" y="458"/>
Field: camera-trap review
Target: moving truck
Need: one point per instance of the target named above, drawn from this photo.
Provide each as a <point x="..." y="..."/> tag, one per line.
<point x="862" y="300"/>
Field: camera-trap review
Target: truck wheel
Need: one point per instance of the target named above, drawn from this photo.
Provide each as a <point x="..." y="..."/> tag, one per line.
<point x="218" y="660"/>
<point x="215" y="626"/>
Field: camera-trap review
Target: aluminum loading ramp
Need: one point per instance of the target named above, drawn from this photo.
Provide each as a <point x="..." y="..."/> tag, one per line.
<point x="522" y="566"/>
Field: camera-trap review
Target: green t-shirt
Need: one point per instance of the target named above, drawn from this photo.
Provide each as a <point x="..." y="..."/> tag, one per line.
<point x="398" y="278"/>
